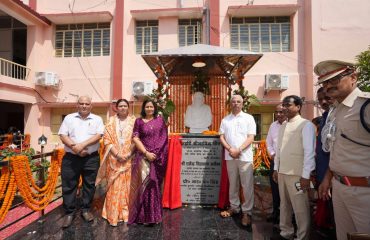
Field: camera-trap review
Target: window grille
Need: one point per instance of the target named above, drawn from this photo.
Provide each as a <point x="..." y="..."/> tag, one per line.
<point x="82" y="40"/>
<point x="190" y="32"/>
<point x="260" y="34"/>
<point x="146" y="35"/>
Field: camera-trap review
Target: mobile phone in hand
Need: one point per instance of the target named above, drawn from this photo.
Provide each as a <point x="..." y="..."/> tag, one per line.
<point x="299" y="188"/>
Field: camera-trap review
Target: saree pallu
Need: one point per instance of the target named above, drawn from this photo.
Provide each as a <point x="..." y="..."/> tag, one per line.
<point x="116" y="175"/>
<point x="146" y="177"/>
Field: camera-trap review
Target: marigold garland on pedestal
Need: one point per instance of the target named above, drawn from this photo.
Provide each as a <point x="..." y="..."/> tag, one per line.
<point x="261" y="156"/>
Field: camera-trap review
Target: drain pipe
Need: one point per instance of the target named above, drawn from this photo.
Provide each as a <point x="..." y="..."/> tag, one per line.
<point x="207" y="27"/>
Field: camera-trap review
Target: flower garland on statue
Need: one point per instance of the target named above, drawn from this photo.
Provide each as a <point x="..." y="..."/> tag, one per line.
<point x="160" y="95"/>
<point x="200" y="83"/>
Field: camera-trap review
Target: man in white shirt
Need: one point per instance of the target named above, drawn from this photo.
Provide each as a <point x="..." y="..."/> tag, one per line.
<point x="294" y="161"/>
<point x="80" y="132"/>
<point x="271" y="142"/>
<point x="237" y="132"/>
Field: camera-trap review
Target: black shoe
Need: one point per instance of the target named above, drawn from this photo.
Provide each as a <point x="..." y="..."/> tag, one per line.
<point x="274" y="218"/>
<point x="270" y="218"/>
<point x="87" y="216"/>
<point x="279" y="238"/>
<point x="67" y="221"/>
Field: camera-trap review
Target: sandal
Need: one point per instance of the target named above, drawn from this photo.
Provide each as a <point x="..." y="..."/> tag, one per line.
<point x="228" y="213"/>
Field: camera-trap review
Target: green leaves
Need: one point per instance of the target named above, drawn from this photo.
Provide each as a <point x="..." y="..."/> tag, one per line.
<point x="165" y="105"/>
<point x="248" y="99"/>
<point x="200" y="83"/>
<point x="363" y="68"/>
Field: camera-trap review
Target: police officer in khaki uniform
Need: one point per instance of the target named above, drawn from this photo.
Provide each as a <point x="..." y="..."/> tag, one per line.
<point x="346" y="135"/>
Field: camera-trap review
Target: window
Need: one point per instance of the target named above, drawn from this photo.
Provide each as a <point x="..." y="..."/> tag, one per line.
<point x="82" y="40"/>
<point x="190" y="32"/>
<point x="146" y="36"/>
<point x="260" y="34"/>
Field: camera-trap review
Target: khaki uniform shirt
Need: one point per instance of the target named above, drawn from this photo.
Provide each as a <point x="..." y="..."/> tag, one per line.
<point x="346" y="157"/>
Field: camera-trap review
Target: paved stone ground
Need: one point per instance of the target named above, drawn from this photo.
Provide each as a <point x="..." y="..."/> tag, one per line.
<point x="190" y="223"/>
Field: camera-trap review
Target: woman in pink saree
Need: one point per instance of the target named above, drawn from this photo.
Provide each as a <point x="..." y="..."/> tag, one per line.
<point x="148" y="167"/>
<point x="115" y="169"/>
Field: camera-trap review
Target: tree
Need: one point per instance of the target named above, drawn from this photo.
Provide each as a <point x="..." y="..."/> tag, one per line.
<point x="363" y="68"/>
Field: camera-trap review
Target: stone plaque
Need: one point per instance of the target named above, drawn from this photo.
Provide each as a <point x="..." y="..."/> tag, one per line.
<point x="201" y="169"/>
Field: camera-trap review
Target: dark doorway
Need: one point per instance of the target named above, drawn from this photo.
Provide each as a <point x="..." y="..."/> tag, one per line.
<point x="20" y="46"/>
<point x="12" y="115"/>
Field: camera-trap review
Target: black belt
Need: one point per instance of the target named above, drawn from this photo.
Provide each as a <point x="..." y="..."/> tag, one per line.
<point x="88" y="155"/>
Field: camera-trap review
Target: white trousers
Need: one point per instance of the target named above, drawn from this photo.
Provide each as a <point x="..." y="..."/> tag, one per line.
<point x="242" y="172"/>
<point x="292" y="200"/>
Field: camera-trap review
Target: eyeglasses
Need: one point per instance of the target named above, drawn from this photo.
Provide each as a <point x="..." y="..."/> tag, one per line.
<point x="326" y="98"/>
<point x="335" y="80"/>
<point x="286" y="105"/>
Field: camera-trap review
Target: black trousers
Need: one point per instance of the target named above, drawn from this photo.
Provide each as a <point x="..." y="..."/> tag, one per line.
<point x="274" y="191"/>
<point x="72" y="167"/>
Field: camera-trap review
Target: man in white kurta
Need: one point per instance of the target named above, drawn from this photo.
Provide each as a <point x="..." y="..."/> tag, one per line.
<point x="237" y="132"/>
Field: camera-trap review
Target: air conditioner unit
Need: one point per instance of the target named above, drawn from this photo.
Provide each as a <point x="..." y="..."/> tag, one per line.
<point x="276" y="82"/>
<point x="47" y="79"/>
<point x="141" y="88"/>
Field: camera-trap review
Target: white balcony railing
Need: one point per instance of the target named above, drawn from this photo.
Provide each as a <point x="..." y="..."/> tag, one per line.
<point x="13" y="70"/>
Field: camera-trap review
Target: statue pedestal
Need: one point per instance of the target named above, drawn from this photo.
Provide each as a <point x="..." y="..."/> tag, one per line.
<point x="200" y="169"/>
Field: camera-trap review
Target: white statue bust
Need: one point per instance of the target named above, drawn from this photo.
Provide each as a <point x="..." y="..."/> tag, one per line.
<point x="198" y="116"/>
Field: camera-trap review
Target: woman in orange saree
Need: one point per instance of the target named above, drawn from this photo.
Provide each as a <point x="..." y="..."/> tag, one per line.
<point x="115" y="169"/>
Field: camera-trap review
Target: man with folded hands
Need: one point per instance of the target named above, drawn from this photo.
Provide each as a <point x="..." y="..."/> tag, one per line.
<point x="80" y="132"/>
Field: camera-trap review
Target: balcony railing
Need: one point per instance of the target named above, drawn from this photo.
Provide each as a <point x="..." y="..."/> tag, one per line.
<point x="13" y="70"/>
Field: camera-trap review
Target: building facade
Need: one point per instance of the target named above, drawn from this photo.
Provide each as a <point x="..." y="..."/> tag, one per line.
<point x="54" y="51"/>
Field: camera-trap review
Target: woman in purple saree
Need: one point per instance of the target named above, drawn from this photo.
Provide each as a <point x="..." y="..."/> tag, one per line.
<point x="148" y="167"/>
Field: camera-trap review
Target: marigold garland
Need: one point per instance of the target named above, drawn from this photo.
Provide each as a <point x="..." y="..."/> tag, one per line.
<point x="209" y="132"/>
<point x="33" y="200"/>
<point x="261" y="155"/>
<point x="4" y="180"/>
<point x="40" y="199"/>
<point x="20" y="176"/>
<point x="9" y="197"/>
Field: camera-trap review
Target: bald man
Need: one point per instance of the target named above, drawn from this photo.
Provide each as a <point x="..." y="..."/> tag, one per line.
<point x="237" y="133"/>
<point x="80" y="132"/>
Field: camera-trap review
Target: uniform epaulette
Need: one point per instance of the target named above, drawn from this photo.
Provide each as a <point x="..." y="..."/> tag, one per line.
<point x="364" y="95"/>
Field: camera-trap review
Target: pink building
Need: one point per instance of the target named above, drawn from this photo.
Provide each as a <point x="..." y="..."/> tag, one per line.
<point x="51" y="52"/>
